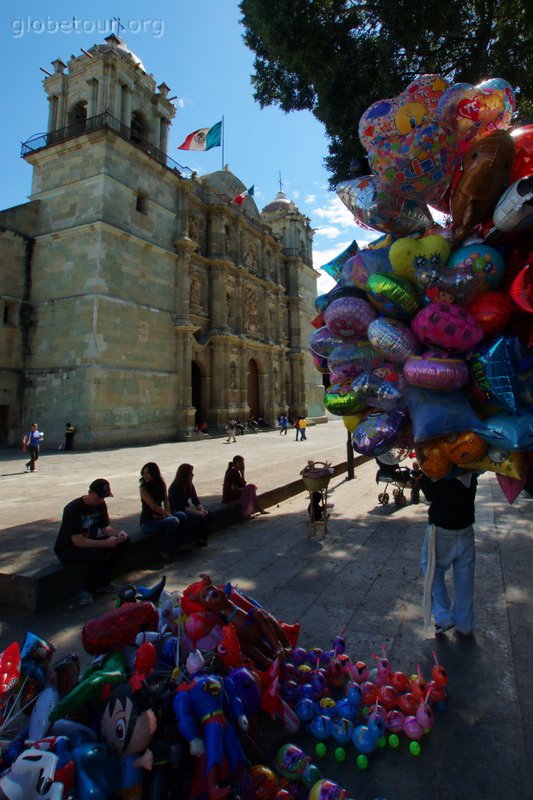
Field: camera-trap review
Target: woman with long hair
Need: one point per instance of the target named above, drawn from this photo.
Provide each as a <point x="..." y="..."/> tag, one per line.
<point x="183" y="498"/>
<point x="236" y="490"/>
<point x="156" y="519"/>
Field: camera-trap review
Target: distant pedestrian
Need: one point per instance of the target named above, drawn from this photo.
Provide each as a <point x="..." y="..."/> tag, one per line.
<point x="449" y="542"/>
<point x="303" y="428"/>
<point x="31" y="443"/>
<point x="283" y="424"/>
<point x="297" y="427"/>
<point x="230" y="430"/>
<point x="253" y="424"/>
<point x="70" y="430"/>
<point x="87" y="539"/>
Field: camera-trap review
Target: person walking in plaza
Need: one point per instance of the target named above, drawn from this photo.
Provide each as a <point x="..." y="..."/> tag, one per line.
<point x="297" y="427"/>
<point x="236" y="490"/>
<point x="283" y="424"/>
<point x="183" y="498"/>
<point x="449" y="542"/>
<point x="230" y="430"/>
<point x="156" y="520"/>
<point x="31" y="443"/>
<point x="87" y="539"/>
<point x="303" y="428"/>
<point x="70" y="430"/>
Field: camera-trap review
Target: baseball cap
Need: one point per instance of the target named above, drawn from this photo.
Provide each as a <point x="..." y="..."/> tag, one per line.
<point x="101" y="487"/>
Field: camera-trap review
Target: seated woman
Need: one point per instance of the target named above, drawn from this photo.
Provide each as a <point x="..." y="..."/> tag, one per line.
<point x="236" y="490"/>
<point x="155" y="513"/>
<point x="183" y="498"/>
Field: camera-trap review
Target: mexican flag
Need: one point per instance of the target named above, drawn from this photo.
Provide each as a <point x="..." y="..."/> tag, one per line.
<point x="203" y="138"/>
<point x="240" y="197"/>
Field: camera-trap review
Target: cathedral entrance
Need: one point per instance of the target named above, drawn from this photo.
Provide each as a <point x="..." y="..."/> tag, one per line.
<point x="253" y="388"/>
<point x="196" y="394"/>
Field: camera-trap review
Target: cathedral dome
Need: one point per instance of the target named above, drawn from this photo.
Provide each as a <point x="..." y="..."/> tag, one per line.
<point x="280" y="203"/>
<point x="223" y="182"/>
<point x="114" y="44"/>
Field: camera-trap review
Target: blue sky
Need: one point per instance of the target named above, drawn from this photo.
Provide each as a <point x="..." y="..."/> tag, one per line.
<point x="197" y="49"/>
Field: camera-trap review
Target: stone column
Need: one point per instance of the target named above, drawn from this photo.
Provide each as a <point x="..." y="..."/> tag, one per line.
<point x="218" y="400"/>
<point x="126" y="106"/>
<point x="156" y="130"/>
<point x="163" y="142"/>
<point x="216" y="236"/>
<point x="52" y="113"/>
<point x="93" y="97"/>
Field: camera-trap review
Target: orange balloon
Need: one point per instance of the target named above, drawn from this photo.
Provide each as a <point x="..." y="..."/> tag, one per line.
<point x="462" y="448"/>
<point x="433" y="459"/>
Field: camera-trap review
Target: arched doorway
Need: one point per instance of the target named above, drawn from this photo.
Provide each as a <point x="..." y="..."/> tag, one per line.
<point x="196" y="394"/>
<point x="77" y="118"/>
<point x="253" y="388"/>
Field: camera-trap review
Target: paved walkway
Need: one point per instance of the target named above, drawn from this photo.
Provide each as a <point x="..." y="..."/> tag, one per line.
<point x="365" y="575"/>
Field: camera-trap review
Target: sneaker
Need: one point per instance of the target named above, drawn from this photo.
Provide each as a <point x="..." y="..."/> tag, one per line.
<point x="440" y="629"/>
<point x="110" y="588"/>
<point x="86" y="598"/>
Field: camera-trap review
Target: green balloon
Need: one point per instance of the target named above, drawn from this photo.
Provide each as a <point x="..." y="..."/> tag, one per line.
<point x="394" y="741"/>
<point x="340" y="754"/>
<point x="362" y="761"/>
<point x="321" y="749"/>
<point x="311" y="775"/>
<point x="414" y="749"/>
<point x="382" y="742"/>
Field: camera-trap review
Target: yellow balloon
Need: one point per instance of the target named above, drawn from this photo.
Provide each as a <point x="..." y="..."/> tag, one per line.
<point x="512" y="465"/>
<point x="351" y="421"/>
<point x="408" y="256"/>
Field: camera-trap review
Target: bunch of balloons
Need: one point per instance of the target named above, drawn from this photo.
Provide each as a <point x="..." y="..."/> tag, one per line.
<point x="428" y="334"/>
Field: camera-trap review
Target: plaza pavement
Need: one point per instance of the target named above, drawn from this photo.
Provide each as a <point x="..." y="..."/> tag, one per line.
<point x="364" y="576"/>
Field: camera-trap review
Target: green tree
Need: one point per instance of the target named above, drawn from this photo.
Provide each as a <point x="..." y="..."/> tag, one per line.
<point x="337" y="57"/>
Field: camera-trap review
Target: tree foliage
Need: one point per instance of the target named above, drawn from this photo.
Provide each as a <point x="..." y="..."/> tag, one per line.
<point x="337" y="57"/>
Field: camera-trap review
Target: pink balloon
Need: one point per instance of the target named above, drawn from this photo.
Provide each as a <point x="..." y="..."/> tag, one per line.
<point x="349" y="317"/>
<point x="448" y="327"/>
<point x="511" y="487"/>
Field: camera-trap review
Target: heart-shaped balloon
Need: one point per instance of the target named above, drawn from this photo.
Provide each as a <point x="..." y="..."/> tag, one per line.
<point x="476" y="110"/>
<point x="410" y="255"/>
<point x="382" y="211"/>
<point x="416" y="105"/>
<point x="418" y="165"/>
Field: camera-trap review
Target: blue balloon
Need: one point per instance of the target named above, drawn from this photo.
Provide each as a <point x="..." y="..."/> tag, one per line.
<point x="321" y="727"/>
<point x="342" y="730"/>
<point x="508" y="431"/>
<point x="435" y="413"/>
<point x="306" y="710"/>
<point x="493" y="372"/>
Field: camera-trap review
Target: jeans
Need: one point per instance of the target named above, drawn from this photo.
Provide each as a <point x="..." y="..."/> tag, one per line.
<point x="34" y="455"/>
<point x="167" y="530"/>
<point x="454" y="549"/>
<point x="100" y="562"/>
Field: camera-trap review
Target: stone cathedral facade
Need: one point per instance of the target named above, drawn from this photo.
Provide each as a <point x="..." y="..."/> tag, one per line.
<point x="138" y="299"/>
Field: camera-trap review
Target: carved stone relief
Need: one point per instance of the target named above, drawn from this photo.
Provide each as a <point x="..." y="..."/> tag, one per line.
<point x="251" y="308"/>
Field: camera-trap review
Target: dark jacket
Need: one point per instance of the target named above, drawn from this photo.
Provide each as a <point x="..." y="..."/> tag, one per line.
<point x="451" y="502"/>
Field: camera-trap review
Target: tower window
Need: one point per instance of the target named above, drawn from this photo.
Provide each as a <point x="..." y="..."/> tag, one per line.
<point x="142" y="203"/>
<point x="139" y="128"/>
<point x="9" y="313"/>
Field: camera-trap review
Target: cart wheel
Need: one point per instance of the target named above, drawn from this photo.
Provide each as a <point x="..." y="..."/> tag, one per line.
<point x="400" y="499"/>
<point x="383" y="498"/>
<point x="395" y="492"/>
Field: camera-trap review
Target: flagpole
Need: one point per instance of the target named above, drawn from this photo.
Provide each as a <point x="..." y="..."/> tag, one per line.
<point x="222" y="141"/>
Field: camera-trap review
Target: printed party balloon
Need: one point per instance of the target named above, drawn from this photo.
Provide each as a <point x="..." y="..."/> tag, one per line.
<point x="523" y="153"/>
<point x="349" y="317"/>
<point x="436" y="372"/>
<point x="492" y="310"/>
<point x="382" y="211"/>
<point x="409" y="256"/>
<point x="448" y="327"/>
<point x="394" y="339"/>
<point x="480" y="260"/>
<point x="493" y="373"/>
<point x="474" y="111"/>
<point x="393" y="296"/>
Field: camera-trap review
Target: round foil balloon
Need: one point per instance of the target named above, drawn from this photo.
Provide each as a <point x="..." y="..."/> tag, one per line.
<point x="416" y="105"/>
<point x="393" y="296"/>
<point x="349" y="317"/>
<point x="351" y="358"/>
<point x="476" y="110"/>
<point x="430" y="372"/>
<point x="479" y="260"/>
<point x="393" y="338"/>
<point x="447" y="327"/>
<point x="433" y="459"/>
<point x="321" y="342"/>
<point x="382" y="211"/>
<point x="514" y="209"/>
<point x="321" y="364"/>
<point x="380" y="388"/>
<point x="493" y="373"/>
<point x="492" y="310"/>
<point x="327" y="789"/>
<point x="378" y="432"/>
<point x="462" y="448"/>
<point x="351" y="421"/>
<point x="340" y="400"/>
<point x="418" y="165"/>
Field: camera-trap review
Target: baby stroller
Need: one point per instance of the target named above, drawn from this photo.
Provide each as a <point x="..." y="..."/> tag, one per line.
<point x="400" y="478"/>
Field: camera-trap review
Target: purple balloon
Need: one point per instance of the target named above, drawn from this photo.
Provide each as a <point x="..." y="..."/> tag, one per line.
<point x="349" y="317"/>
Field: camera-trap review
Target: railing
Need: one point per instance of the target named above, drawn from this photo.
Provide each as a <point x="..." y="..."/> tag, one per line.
<point x="105" y="120"/>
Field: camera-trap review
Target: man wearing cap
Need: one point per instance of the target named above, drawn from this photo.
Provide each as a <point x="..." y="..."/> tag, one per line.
<point x="86" y="538"/>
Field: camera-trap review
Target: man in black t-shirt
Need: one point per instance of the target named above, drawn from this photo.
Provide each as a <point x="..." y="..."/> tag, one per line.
<point x="449" y="542"/>
<point x="86" y="538"/>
